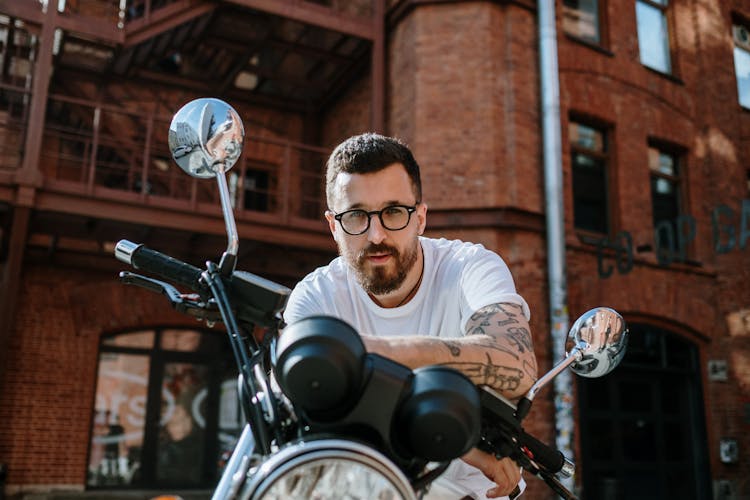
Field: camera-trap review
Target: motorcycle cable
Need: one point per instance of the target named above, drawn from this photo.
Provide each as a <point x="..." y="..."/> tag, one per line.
<point x="250" y="403"/>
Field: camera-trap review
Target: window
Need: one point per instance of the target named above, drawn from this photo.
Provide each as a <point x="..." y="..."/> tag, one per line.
<point x="653" y="34"/>
<point x="666" y="199"/>
<point x="741" y="35"/>
<point x="644" y="428"/>
<point x="581" y="19"/>
<point x="589" y="160"/>
<point x="166" y="410"/>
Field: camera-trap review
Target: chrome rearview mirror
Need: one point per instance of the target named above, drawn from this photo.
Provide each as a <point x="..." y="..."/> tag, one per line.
<point x="595" y="345"/>
<point x="206" y="137"/>
<point x="597" y="340"/>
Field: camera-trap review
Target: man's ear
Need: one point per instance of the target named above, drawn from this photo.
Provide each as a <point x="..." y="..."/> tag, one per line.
<point x="422" y="217"/>
<point x="331" y="222"/>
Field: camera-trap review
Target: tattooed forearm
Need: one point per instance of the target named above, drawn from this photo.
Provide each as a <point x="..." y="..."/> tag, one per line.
<point x="501" y="378"/>
<point x="453" y="347"/>
<point x="529" y="369"/>
<point x="492" y="345"/>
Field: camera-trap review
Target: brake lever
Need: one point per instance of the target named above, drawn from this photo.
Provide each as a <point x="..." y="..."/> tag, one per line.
<point x="503" y="436"/>
<point x="190" y="304"/>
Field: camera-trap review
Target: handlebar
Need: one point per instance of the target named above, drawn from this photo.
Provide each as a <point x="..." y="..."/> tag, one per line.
<point x="142" y="257"/>
<point x="503" y="435"/>
<point x="550" y="458"/>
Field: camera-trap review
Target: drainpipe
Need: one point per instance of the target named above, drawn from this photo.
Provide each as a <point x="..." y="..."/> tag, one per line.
<point x="558" y="290"/>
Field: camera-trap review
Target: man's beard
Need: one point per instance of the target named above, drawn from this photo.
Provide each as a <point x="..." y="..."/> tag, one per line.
<point x="378" y="280"/>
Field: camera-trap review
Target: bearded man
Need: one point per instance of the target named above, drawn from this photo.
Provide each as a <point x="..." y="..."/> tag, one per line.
<point x="417" y="300"/>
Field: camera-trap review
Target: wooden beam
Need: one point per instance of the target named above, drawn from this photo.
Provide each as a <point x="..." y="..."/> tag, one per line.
<point x="29" y="11"/>
<point x="100" y="29"/>
<point x="377" y="71"/>
<point x="29" y="172"/>
<point x="268" y="229"/>
<point x="10" y="282"/>
<point x="313" y="14"/>
<point x="164" y="20"/>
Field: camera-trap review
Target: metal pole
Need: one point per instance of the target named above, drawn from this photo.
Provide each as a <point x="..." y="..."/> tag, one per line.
<point x="551" y="137"/>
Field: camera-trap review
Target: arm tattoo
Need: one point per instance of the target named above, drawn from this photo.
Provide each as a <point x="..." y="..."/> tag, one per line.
<point x="520" y="337"/>
<point x="495" y="347"/>
<point x="454" y="348"/>
<point x="485" y="315"/>
<point x="502" y="378"/>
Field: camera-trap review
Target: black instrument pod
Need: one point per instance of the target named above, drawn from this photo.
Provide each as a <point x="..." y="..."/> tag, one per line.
<point x="440" y="418"/>
<point x="319" y="364"/>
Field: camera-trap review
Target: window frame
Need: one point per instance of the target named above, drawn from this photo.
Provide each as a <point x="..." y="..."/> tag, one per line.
<point x="601" y="25"/>
<point x="678" y="154"/>
<point x="607" y="158"/>
<point x="738" y="21"/>
<point x="666" y="12"/>
<point x="601" y="401"/>
<point x="214" y="356"/>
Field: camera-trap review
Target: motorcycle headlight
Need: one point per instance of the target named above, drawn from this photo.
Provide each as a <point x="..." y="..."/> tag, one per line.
<point x="327" y="469"/>
<point x="319" y="364"/>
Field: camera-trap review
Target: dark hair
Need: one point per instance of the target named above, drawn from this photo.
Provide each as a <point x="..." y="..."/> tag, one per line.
<point x="367" y="153"/>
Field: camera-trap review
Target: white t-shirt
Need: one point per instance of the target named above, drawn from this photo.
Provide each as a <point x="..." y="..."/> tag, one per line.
<point x="459" y="279"/>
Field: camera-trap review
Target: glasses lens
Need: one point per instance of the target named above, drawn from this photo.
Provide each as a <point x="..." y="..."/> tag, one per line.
<point x="395" y="218"/>
<point x="355" y="221"/>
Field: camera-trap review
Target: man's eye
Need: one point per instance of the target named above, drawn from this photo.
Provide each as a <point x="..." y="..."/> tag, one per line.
<point x="392" y="211"/>
<point x="355" y="216"/>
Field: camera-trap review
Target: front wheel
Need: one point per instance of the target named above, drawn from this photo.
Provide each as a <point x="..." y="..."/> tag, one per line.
<point x="327" y="469"/>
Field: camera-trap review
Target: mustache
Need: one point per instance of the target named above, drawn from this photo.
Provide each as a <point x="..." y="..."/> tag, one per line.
<point x="373" y="249"/>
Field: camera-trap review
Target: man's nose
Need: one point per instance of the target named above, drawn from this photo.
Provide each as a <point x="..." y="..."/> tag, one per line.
<point x="376" y="233"/>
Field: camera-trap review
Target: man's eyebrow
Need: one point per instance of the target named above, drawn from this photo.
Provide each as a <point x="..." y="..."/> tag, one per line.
<point x="361" y="206"/>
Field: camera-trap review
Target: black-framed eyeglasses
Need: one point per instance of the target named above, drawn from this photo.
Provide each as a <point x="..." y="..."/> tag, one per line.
<point x="393" y="218"/>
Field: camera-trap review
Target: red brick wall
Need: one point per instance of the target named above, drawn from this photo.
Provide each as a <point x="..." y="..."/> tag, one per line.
<point x="699" y="111"/>
<point x="469" y="107"/>
<point x="47" y="388"/>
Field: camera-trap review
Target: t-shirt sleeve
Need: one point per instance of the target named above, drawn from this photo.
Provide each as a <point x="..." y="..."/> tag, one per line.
<point x="303" y="302"/>
<point x="486" y="280"/>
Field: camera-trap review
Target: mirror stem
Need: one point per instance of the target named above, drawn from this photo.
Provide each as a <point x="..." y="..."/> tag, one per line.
<point x="574" y="355"/>
<point x="229" y="259"/>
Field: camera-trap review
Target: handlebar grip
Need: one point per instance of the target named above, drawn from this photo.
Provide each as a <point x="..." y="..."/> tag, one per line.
<point x="148" y="260"/>
<point x="549" y="458"/>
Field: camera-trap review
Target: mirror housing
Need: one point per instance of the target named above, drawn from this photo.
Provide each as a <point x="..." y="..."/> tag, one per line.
<point x="600" y="336"/>
<point x="206" y="138"/>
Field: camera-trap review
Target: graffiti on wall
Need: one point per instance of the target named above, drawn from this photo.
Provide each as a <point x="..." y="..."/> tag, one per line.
<point x="730" y="231"/>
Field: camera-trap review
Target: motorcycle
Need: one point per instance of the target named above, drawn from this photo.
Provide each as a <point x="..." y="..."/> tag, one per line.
<point x="325" y="418"/>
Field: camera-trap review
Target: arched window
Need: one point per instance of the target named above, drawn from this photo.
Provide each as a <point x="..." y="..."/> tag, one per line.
<point x="166" y="411"/>
<point x="642" y="426"/>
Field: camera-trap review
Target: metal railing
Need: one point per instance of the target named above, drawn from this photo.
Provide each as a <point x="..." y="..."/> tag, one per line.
<point x="110" y="152"/>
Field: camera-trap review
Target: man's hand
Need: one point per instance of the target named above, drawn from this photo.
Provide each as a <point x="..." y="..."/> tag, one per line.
<point x="504" y="472"/>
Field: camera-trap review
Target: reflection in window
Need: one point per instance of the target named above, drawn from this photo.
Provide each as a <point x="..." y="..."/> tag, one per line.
<point x="589" y="164"/>
<point x="581" y="19"/>
<point x="653" y="34"/>
<point x="182" y="438"/>
<point x="119" y="419"/>
<point x="741" y="36"/>
<point x="182" y="380"/>
<point x="665" y="185"/>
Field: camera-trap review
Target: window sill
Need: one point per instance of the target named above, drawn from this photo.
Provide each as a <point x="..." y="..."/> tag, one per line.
<point x="668" y="76"/>
<point x="591" y="45"/>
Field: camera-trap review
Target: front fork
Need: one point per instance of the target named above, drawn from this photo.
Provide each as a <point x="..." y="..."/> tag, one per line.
<point x="236" y="469"/>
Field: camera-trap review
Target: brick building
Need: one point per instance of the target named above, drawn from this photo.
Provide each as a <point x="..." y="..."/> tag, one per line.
<point x="655" y="146"/>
